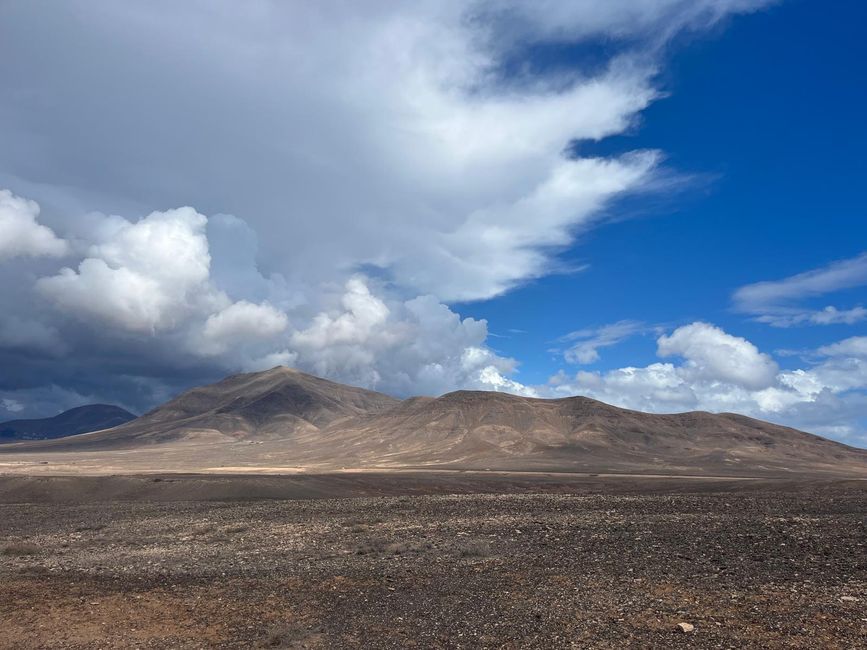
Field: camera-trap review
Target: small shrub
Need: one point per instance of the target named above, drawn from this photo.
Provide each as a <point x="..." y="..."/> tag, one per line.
<point x="18" y="549"/>
<point x="399" y="548"/>
<point x="371" y="547"/>
<point x="476" y="548"/>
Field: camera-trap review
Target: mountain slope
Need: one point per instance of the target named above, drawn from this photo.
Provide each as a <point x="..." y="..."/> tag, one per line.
<point x="82" y="419"/>
<point x="486" y="430"/>
<point x="298" y="421"/>
<point x="276" y="403"/>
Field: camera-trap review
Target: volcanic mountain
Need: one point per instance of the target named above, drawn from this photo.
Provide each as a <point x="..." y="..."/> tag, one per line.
<point x="285" y="418"/>
<point x="82" y="419"/>
<point x="276" y="404"/>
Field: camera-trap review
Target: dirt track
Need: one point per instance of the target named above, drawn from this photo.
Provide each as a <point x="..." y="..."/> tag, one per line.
<point x="748" y="564"/>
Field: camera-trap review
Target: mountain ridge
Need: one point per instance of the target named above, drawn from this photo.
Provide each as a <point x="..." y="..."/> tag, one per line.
<point x="309" y="422"/>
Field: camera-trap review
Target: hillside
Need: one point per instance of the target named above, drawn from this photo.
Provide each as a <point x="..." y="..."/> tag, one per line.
<point x="274" y="404"/>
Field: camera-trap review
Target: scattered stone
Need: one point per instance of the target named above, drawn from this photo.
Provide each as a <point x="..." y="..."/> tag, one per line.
<point x="292" y="579"/>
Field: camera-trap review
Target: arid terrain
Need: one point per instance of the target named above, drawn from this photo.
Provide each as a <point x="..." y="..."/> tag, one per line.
<point x="540" y="562"/>
<point x="277" y="509"/>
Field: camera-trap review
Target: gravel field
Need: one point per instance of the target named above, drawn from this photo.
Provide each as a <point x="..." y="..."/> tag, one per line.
<point x="759" y="567"/>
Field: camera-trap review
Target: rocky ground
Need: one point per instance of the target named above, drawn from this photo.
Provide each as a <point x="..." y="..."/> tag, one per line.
<point x="762" y="567"/>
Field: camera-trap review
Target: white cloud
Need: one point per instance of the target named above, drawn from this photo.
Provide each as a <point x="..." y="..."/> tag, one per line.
<point x="417" y="346"/>
<point x="382" y="134"/>
<point x="500" y="245"/>
<point x="586" y="350"/>
<point x="362" y="317"/>
<point x="723" y="373"/>
<point x="830" y="315"/>
<point x="658" y="19"/>
<point x="240" y="323"/>
<point x="776" y="302"/>
<point x="143" y="277"/>
<point x="21" y="234"/>
<point x="855" y="346"/>
<point x="710" y="353"/>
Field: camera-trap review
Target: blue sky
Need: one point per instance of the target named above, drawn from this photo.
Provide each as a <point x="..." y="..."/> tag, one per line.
<point x="656" y="204"/>
<point x="767" y="115"/>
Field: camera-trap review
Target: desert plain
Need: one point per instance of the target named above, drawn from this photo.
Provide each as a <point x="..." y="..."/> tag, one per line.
<point x="281" y="510"/>
<point x="431" y="559"/>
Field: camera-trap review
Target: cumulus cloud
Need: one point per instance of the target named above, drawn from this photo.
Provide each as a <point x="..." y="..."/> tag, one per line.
<point x="362" y="316"/>
<point x="402" y="347"/>
<point x="780" y="302"/>
<point x="718" y="372"/>
<point x="155" y="285"/>
<point x="20" y="232"/>
<point x="240" y="323"/>
<point x="142" y="276"/>
<point x="710" y="353"/>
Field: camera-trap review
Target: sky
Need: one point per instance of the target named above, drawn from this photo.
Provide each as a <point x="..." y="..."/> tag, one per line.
<point x="655" y="203"/>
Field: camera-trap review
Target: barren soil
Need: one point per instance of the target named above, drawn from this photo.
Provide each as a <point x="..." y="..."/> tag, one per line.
<point x="547" y="563"/>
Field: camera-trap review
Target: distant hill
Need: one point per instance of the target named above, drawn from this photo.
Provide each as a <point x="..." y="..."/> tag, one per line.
<point x="301" y="421"/>
<point x="83" y="419"/>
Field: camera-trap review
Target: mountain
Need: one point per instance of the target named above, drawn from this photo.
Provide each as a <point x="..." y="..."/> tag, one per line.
<point x="488" y="430"/>
<point x="82" y="419"/>
<point x="283" y="418"/>
<point x="273" y="404"/>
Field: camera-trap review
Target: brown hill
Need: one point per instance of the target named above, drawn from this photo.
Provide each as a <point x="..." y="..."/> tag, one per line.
<point x="488" y="430"/>
<point x="303" y="421"/>
<point x="277" y="403"/>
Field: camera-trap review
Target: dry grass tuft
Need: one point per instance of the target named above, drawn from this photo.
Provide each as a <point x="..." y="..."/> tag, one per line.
<point x="475" y="548"/>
